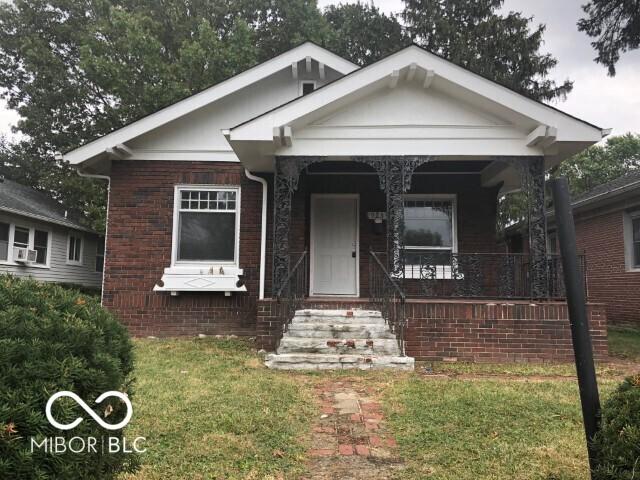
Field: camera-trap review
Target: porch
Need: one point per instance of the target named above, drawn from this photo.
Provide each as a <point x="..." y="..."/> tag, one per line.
<point x="414" y="238"/>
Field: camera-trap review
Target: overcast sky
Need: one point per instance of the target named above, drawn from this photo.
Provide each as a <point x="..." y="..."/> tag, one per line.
<point x="599" y="99"/>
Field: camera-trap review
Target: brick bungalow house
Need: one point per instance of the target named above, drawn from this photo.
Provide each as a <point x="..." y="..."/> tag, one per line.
<point x="363" y="198"/>
<point x="608" y="234"/>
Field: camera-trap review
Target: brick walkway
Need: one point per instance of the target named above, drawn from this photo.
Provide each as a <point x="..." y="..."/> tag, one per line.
<point x="350" y="439"/>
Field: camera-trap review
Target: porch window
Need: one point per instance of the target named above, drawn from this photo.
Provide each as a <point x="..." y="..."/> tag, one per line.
<point x="207" y="225"/>
<point x="429" y="233"/>
<point x="21" y="237"/>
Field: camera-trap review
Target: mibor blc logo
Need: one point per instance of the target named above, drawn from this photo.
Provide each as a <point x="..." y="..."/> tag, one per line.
<point x="89" y="444"/>
<point x="87" y="409"/>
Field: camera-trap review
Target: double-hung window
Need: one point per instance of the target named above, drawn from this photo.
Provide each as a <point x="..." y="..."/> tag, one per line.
<point x="634" y="239"/>
<point x="429" y="231"/>
<point x="4" y="241"/>
<point x="207" y="225"/>
<point x="74" y="249"/>
<point x="100" y="255"/>
<point x="17" y="236"/>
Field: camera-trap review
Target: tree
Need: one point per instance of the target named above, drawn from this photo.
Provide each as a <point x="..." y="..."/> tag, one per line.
<point x="601" y="163"/>
<point x="475" y="36"/>
<point x="363" y="34"/>
<point x="616" y="26"/>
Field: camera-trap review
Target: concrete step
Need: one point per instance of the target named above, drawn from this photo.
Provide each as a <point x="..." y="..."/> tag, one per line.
<point x="341" y="331"/>
<point x="317" y="361"/>
<point x="341" y="346"/>
<point x="338" y="320"/>
<point x="353" y="313"/>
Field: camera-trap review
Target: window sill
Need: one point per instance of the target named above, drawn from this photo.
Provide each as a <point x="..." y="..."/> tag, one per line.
<point x="193" y="279"/>
<point x="24" y="265"/>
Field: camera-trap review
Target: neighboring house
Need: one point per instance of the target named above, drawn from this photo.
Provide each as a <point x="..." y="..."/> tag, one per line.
<point x="37" y="239"/>
<point x="607" y="220"/>
<point x="309" y="182"/>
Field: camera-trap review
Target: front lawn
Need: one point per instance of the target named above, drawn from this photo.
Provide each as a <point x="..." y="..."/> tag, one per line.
<point x="209" y="410"/>
<point x="624" y="343"/>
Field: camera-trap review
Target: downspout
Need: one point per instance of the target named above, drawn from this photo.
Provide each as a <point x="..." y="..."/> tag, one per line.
<point x="263" y="229"/>
<point x="106" y="224"/>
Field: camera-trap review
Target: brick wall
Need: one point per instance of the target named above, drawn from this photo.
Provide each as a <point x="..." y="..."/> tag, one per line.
<point x="599" y="235"/>
<point x="139" y="248"/>
<point x="493" y="332"/>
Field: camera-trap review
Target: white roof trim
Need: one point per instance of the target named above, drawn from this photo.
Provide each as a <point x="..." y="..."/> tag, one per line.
<point x="211" y="94"/>
<point x="261" y="127"/>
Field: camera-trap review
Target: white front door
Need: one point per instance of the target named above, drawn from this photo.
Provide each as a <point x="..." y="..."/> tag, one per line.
<point x="334" y="245"/>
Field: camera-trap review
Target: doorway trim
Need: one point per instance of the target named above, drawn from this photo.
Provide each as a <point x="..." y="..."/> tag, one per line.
<point x="314" y="196"/>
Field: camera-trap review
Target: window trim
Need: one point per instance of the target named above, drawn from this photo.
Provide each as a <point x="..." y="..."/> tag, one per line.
<point x="629" y="217"/>
<point x="32" y="232"/>
<point x="453" y="198"/>
<point x="176" y="224"/>
<point x="82" y="242"/>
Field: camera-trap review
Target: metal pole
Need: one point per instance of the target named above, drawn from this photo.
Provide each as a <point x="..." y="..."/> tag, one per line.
<point x="576" y="301"/>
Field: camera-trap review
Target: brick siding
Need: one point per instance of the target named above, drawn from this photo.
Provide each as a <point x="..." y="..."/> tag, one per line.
<point x="599" y="235"/>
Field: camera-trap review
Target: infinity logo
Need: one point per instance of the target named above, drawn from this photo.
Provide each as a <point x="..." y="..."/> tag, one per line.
<point x="86" y="408"/>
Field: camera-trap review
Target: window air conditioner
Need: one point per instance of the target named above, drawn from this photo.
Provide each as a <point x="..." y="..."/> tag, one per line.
<point x="24" y="255"/>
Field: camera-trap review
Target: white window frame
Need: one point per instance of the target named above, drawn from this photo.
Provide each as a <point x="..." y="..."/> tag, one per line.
<point x="628" y="219"/>
<point x="82" y="241"/>
<point x="453" y="198"/>
<point x="32" y="234"/>
<point x="443" y="272"/>
<point x="175" y="238"/>
<point x="301" y="87"/>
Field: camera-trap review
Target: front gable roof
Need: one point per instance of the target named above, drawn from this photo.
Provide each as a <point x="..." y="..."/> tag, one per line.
<point x="533" y="127"/>
<point x="100" y="148"/>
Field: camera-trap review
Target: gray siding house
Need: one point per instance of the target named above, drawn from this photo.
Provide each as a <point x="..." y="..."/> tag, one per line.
<point x="39" y="240"/>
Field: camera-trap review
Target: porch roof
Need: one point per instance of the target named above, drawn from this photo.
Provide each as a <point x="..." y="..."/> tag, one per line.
<point x="412" y="103"/>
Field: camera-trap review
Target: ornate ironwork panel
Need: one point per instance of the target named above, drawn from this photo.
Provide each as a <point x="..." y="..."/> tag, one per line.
<point x="531" y="170"/>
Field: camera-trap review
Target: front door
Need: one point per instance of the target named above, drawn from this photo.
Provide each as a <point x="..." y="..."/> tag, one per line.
<point x="334" y="245"/>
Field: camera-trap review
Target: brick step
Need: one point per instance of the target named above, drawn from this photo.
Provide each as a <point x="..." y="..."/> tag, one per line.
<point x="343" y="346"/>
<point x="318" y="361"/>
<point x="340" y="331"/>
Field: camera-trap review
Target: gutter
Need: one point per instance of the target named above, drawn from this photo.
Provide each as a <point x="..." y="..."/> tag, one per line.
<point x="263" y="229"/>
<point x="106" y="224"/>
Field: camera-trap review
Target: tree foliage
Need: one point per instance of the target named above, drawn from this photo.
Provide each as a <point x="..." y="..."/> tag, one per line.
<point x="78" y="69"/>
<point x="362" y="33"/>
<point x="476" y="36"/>
<point x="601" y="163"/>
<point x="616" y="26"/>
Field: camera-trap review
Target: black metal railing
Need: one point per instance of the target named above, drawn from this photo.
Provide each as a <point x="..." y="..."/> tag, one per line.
<point x="482" y="275"/>
<point x="294" y="290"/>
<point x="386" y="293"/>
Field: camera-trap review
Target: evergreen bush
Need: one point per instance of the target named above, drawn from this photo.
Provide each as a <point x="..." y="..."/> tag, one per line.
<point x="54" y="339"/>
<point x="618" y="441"/>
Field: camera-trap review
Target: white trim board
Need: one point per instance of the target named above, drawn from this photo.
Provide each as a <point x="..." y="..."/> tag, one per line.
<point x="211" y="94"/>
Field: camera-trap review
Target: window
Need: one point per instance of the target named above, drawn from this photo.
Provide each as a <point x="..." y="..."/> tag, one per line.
<point x="552" y="247"/>
<point x="100" y="255"/>
<point x="74" y="249"/>
<point x="429" y="233"/>
<point x="207" y="225"/>
<point x="21" y="237"/>
<point x="429" y="223"/>
<point x="4" y="241"/>
<point x="635" y="227"/>
<point x="40" y="245"/>
<point x="307" y="87"/>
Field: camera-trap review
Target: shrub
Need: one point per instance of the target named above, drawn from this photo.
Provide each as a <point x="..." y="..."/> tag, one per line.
<point x="54" y="339"/>
<point x="618" y="441"/>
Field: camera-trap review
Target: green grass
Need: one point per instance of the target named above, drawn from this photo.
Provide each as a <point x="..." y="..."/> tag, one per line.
<point x="519" y="369"/>
<point x="489" y="429"/>
<point x="624" y="343"/>
<point x="210" y="410"/>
